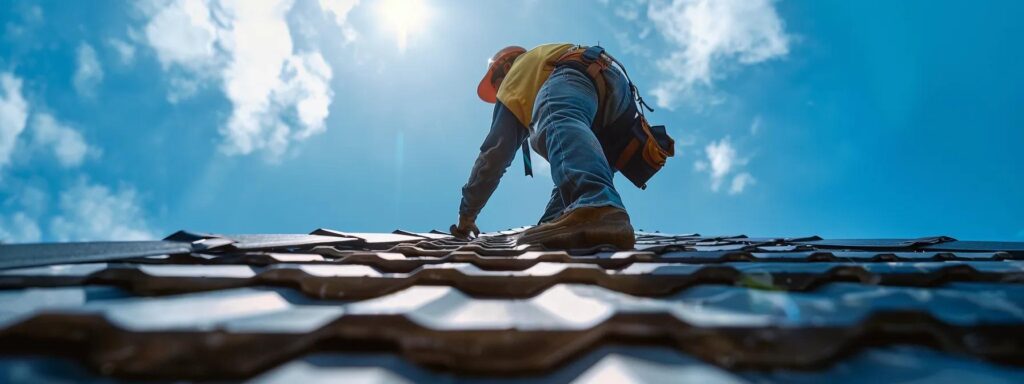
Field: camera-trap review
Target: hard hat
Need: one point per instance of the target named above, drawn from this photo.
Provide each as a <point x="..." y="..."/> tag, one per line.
<point x="487" y="90"/>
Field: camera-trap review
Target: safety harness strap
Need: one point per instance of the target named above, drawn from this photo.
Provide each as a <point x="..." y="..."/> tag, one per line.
<point x="589" y="61"/>
<point x="627" y="154"/>
<point x="527" y="162"/>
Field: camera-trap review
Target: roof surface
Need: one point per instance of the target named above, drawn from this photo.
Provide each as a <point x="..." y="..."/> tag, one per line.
<point x="402" y="306"/>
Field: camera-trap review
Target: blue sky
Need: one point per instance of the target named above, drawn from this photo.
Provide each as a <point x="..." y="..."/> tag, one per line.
<point x="131" y="120"/>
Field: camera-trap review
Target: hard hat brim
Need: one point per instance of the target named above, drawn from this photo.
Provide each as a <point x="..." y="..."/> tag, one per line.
<point x="487" y="91"/>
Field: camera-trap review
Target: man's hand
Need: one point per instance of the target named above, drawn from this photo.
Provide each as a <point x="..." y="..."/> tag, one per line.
<point x="465" y="228"/>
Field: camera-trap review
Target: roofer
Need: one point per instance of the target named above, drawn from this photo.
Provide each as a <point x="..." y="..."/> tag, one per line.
<point x="577" y="108"/>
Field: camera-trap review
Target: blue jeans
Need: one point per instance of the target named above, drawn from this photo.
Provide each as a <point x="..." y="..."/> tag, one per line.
<point x="564" y="114"/>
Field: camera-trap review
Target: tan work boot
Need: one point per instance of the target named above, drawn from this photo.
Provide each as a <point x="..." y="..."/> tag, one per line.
<point x="583" y="227"/>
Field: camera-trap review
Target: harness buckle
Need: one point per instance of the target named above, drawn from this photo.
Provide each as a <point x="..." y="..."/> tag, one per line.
<point x="592" y="54"/>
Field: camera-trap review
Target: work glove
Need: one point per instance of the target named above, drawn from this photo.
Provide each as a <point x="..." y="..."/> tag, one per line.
<point x="465" y="228"/>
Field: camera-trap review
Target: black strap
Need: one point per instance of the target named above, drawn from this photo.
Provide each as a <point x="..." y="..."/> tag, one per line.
<point x="527" y="162"/>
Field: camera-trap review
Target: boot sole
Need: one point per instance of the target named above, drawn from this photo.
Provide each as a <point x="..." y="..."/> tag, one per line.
<point x="589" y="238"/>
<point x="596" y="230"/>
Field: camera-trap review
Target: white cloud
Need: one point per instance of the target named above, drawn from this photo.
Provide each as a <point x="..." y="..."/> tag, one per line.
<point x="629" y="46"/>
<point x="309" y="89"/>
<point x="627" y="13"/>
<point x="88" y="73"/>
<point x="34" y="14"/>
<point x="91" y="212"/>
<point x="31" y="200"/>
<point x="740" y="182"/>
<point x="181" y="32"/>
<point x="182" y="87"/>
<point x="184" y="36"/>
<point x="47" y="134"/>
<point x="19" y="228"/>
<point x="340" y="10"/>
<point x="13" y="115"/>
<point x="67" y="144"/>
<point x="265" y="79"/>
<point x="278" y="95"/>
<point x="709" y="36"/>
<point x="87" y="211"/>
<point x="125" y="51"/>
<point x="721" y="161"/>
<point x="755" y="126"/>
<point x="24" y="20"/>
<point x="721" y="157"/>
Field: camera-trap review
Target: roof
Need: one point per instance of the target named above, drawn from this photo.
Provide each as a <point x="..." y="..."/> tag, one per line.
<point x="404" y="306"/>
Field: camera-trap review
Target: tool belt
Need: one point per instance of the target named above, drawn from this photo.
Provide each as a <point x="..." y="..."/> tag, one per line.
<point x="631" y="145"/>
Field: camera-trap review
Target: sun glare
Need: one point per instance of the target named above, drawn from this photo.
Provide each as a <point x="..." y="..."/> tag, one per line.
<point x="403" y="18"/>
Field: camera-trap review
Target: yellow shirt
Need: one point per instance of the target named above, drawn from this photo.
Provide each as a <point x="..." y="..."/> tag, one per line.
<point x="519" y="89"/>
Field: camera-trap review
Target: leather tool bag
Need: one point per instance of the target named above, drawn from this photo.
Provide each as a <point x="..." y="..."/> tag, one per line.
<point x="636" y="148"/>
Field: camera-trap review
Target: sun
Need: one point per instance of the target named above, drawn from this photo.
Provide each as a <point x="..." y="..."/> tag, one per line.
<point x="403" y="18"/>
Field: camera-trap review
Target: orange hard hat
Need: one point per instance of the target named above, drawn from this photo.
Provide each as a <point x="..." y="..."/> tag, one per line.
<point x="487" y="90"/>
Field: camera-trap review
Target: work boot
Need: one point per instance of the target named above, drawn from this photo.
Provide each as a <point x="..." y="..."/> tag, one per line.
<point x="583" y="227"/>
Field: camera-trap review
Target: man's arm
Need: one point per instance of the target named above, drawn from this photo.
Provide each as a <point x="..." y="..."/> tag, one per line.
<point x="496" y="154"/>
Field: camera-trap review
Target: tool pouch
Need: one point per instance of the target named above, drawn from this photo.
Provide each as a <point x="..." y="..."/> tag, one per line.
<point x="637" y="149"/>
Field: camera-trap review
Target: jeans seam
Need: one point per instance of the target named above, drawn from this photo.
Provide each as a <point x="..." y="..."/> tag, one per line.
<point x="564" y="109"/>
